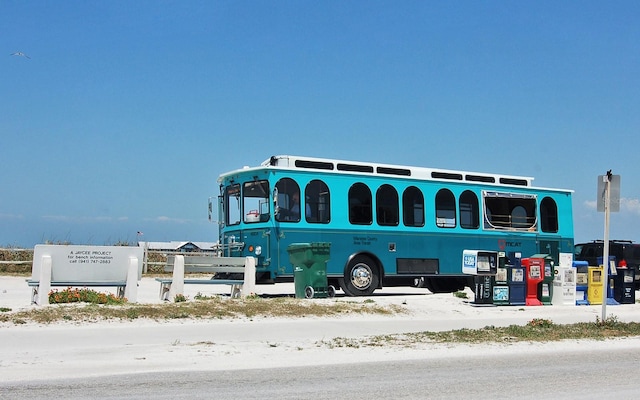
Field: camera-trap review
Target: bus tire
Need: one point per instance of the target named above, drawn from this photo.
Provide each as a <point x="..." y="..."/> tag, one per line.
<point x="445" y="285"/>
<point x="361" y="277"/>
<point x="427" y="283"/>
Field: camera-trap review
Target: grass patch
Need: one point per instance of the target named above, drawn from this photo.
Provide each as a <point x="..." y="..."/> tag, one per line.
<point x="218" y="307"/>
<point x="536" y="330"/>
<point x="85" y="306"/>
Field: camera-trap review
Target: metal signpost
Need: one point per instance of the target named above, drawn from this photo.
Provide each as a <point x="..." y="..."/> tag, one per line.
<point x="608" y="201"/>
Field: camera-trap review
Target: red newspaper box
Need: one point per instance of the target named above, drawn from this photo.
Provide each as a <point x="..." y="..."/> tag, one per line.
<point x="534" y="268"/>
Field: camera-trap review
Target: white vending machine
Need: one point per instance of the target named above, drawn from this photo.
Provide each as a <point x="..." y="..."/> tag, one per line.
<point x="564" y="282"/>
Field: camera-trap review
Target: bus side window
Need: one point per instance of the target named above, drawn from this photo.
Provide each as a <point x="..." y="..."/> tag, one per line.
<point x="549" y="215"/>
<point x="317" y="202"/>
<point x="469" y="210"/>
<point x="508" y="210"/>
<point x="360" y="202"/>
<point x="412" y="207"/>
<point x="445" y="209"/>
<point x="387" y="206"/>
<point x="288" y="200"/>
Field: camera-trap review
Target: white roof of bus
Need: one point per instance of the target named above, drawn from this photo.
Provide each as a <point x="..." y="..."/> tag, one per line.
<point x="433" y="174"/>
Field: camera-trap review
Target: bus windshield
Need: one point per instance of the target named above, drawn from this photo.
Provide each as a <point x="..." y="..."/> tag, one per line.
<point x="255" y="198"/>
<point x="232" y="205"/>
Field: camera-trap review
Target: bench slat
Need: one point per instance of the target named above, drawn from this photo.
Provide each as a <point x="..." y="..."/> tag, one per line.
<point x="204" y="281"/>
<point x="206" y="268"/>
<point x="208" y="264"/>
<point x="82" y="284"/>
<point x="213" y="261"/>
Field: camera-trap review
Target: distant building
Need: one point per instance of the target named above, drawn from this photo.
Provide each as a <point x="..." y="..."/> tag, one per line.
<point x="178" y="247"/>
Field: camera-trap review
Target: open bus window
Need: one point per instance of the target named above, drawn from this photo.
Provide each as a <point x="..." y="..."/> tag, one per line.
<point x="255" y="198"/>
<point x="317" y="202"/>
<point x="514" y="211"/>
<point x="287" y="200"/>
<point x="232" y="204"/>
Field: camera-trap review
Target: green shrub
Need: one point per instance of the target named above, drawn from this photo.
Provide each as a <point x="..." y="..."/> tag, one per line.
<point x="71" y="295"/>
<point x="180" y="298"/>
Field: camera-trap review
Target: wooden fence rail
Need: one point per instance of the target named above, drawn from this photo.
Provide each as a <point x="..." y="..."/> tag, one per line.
<point x="16" y="262"/>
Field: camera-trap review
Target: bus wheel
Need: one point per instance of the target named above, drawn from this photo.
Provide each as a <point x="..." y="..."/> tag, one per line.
<point x="440" y="285"/>
<point x="445" y="285"/>
<point x="427" y="283"/>
<point x="360" y="277"/>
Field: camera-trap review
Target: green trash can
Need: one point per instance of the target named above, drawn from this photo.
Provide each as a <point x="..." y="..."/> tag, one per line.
<point x="310" y="269"/>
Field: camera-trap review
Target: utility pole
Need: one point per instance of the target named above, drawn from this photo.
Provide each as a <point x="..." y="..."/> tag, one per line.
<point x="605" y="250"/>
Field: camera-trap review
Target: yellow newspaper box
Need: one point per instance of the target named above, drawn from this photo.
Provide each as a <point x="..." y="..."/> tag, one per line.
<point x="596" y="284"/>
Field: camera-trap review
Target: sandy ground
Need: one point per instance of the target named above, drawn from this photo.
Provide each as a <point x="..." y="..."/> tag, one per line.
<point x="36" y="352"/>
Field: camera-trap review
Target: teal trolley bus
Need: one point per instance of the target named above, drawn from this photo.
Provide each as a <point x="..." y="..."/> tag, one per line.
<point x="387" y="225"/>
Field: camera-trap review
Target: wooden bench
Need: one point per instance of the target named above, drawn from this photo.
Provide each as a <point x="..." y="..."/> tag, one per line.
<point x="181" y="264"/>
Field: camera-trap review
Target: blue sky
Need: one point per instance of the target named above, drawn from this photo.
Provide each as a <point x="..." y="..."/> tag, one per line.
<point x="126" y="112"/>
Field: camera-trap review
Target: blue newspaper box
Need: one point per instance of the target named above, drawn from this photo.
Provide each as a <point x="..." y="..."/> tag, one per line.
<point x="624" y="291"/>
<point x="516" y="280"/>
<point x="582" y="283"/>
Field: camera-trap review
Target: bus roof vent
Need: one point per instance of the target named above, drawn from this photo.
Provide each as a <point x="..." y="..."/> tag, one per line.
<point x="355" y="168"/>
<point x="446" y="175"/>
<point x="514" y="181"/>
<point x="480" y="178"/>
<point x="394" y="171"/>
<point x="314" y="164"/>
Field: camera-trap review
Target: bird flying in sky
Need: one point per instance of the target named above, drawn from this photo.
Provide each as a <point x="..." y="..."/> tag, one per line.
<point x="20" y="54"/>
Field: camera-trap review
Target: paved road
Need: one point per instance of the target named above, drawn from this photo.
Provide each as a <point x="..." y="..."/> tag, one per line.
<point x="583" y="374"/>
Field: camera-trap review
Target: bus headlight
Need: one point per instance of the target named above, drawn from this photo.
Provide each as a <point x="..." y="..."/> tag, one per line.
<point x="257" y="250"/>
